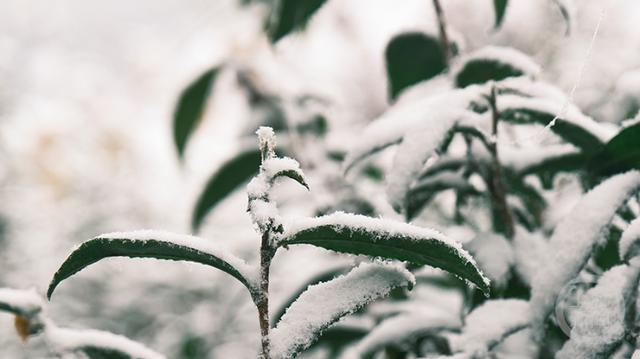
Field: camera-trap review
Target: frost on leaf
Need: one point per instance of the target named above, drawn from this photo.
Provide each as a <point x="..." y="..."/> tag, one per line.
<point x="629" y="245"/>
<point x="154" y="244"/>
<point x="376" y="237"/>
<point x="323" y="304"/>
<point x="25" y="303"/>
<point x="574" y="238"/>
<point x="401" y="328"/>
<point x="489" y="323"/>
<point x="102" y="344"/>
<point x="600" y="317"/>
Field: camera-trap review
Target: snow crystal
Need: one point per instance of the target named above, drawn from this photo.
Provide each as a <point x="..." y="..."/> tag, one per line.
<point x="574" y="238"/>
<point x="599" y="319"/>
<point x="27" y="302"/>
<point x="629" y="240"/>
<point x="488" y="323"/>
<point x="494" y="256"/>
<point x="64" y="339"/>
<point x="400" y="327"/>
<point x="504" y="55"/>
<point x="196" y="243"/>
<point x="323" y="304"/>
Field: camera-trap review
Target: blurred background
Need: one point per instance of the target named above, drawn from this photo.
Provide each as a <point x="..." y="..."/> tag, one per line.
<point x="87" y="94"/>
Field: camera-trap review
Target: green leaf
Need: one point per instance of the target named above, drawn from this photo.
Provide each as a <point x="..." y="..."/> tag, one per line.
<point x="151" y="244"/>
<point x="620" y="154"/>
<point x="411" y="58"/>
<point x="289" y="16"/>
<point x="322" y="305"/>
<point x="500" y="7"/>
<point x="482" y="70"/>
<point x="375" y="237"/>
<point x="231" y="175"/>
<point x="190" y="108"/>
<point x="319" y="278"/>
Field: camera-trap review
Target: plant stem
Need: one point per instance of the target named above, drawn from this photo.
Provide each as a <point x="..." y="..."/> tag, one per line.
<point x="444" y="38"/>
<point x="262" y="303"/>
<point x="502" y="218"/>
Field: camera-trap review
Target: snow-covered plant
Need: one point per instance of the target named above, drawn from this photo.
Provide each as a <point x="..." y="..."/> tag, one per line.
<point x="320" y="305"/>
<point x="31" y="319"/>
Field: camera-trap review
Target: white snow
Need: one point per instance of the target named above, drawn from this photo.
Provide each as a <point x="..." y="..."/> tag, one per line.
<point x="401" y="327"/>
<point x="193" y="242"/>
<point x="258" y="187"/>
<point x="599" y="319"/>
<point x="504" y="55"/>
<point x="574" y="238"/>
<point x="489" y="322"/>
<point x="264" y="214"/>
<point x="64" y="339"/>
<point x="275" y="165"/>
<point x="26" y="301"/>
<point x="494" y="256"/>
<point x="530" y="251"/>
<point x="323" y="304"/>
<point x="533" y="88"/>
<point x="629" y="239"/>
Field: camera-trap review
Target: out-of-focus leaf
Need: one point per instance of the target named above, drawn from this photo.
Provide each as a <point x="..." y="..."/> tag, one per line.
<point x="323" y="304"/>
<point x="481" y="70"/>
<point x="289" y="16"/>
<point x="21" y="302"/>
<point x="411" y="58"/>
<point x="500" y="7"/>
<point x="191" y="107"/>
<point x="620" y="154"/>
<point x="231" y="175"/>
<point x="321" y="277"/>
<point x="348" y="233"/>
<point x="150" y="244"/>
<point x="426" y="189"/>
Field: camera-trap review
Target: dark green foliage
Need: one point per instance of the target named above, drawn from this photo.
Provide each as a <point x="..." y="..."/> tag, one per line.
<point x="231" y="175"/>
<point x="425" y="251"/>
<point x="411" y="58"/>
<point x="103" y="353"/>
<point x="500" y="7"/>
<point x="620" y="154"/>
<point x="479" y="71"/>
<point x="96" y="249"/>
<point x="289" y="16"/>
<point x="191" y="107"/>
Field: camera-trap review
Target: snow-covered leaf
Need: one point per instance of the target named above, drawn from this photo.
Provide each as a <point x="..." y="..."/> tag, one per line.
<point x="153" y="244"/>
<point x="600" y="317"/>
<point x="21" y="302"/>
<point x="490" y="323"/>
<point x="574" y="239"/>
<point x="412" y="57"/>
<point x="402" y="328"/>
<point x="375" y="237"/>
<point x="500" y="7"/>
<point x="629" y="245"/>
<point x="573" y="126"/>
<point x="493" y="63"/>
<point x="319" y="278"/>
<point x="229" y="177"/>
<point x="323" y="304"/>
<point x="620" y="154"/>
<point x="289" y="16"/>
<point x="96" y="344"/>
<point x="279" y="167"/>
<point x="190" y="108"/>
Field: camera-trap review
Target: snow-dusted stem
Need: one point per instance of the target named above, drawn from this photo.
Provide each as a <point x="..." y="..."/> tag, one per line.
<point x="266" y="253"/>
<point x="502" y="218"/>
<point x="444" y="38"/>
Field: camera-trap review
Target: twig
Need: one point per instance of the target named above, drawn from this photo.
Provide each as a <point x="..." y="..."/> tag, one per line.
<point x="444" y="38"/>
